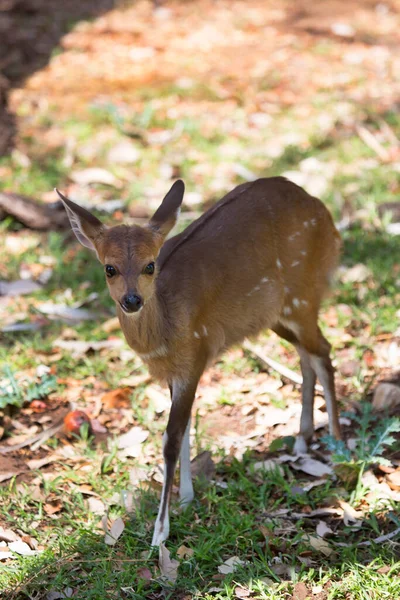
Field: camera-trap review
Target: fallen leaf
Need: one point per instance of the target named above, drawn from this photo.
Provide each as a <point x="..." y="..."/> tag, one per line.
<point x="230" y="565"/>
<point x="50" y="508"/>
<point x="311" y="466"/>
<point x="144" y="573"/>
<point x="393" y="480"/>
<point x="203" y="466"/>
<point x="300" y="591"/>
<point x="114" y="532"/>
<point x="19" y="287"/>
<point x="20" y="547"/>
<point x="350" y="515"/>
<point x="323" y="529"/>
<point x="184" y="552"/>
<point x="386" y="396"/>
<point x="160" y="401"/>
<point x="7" y="535"/>
<point x="241" y="592"/>
<point x="94" y="175"/>
<point x="78" y="348"/>
<point x="133" y="437"/>
<point x="38" y="463"/>
<point x="320" y="545"/>
<point x="125" y="152"/>
<point x="67" y="313"/>
<point x="96" y="506"/>
<point x="168" y="566"/>
<point x="119" y="398"/>
<point x="270" y="464"/>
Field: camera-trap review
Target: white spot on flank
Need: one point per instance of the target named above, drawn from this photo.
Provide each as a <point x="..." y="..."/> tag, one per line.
<point x="305" y="223"/>
<point x="278" y="263"/>
<point x="294" y="235"/>
<point x="256" y="288"/>
<point x="304" y="302"/>
<point x="287" y="310"/>
<point x="287" y="290"/>
<point x="296" y="302"/>
<point x="313" y="222"/>
<point x="205" y="332"/>
<point x="264" y="280"/>
<point x="303" y="252"/>
<point x="196" y="335"/>
<point x="295" y="263"/>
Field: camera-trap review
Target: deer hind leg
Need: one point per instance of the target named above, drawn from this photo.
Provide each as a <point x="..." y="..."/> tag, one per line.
<point x="307" y="389"/>
<point x="315" y="361"/>
<point x="322" y="365"/>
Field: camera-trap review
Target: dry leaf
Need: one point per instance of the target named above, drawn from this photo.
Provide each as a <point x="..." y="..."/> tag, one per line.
<point x="323" y="529"/>
<point x="50" y="508"/>
<point x="203" y="466"/>
<point x="144" y="573"/>
<point x="271" y="464"/>
<point x="94" y="175"/>
<point x="230" y="565"/>
<point x="114" y="532"/>
<point x="320" y="545"/>
<point x="20" y="547"/>
<point x="185" y="552"/>
<point x="7" y="535"/>
<point x="133" y="437"/>
<point x="168" y="566"/>
<point x="311" y="466"/>
<point x="241" y="592"/>
<point x="350" y="515"/>
<point x="96" y="506"/>
<point x="119" y="398"/>
<point x="393" y="480"/>
<point x="386" y="396"/>
<point x="300" y="591"/>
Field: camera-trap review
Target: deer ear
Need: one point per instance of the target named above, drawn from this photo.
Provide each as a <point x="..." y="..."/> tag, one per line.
<point x="167" y="214"/>
<point x="85" y="226"/>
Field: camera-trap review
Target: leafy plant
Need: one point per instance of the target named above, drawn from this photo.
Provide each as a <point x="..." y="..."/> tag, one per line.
<point x="373" y="434"/>
<point x="14" y="394"/>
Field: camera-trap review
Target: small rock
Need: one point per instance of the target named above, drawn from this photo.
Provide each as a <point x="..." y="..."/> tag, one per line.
<point x="386" y="396"/>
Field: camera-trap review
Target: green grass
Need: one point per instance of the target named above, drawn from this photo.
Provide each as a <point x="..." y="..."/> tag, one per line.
<point x="221" y="523"/>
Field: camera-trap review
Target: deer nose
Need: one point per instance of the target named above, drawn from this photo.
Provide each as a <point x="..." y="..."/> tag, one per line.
<point x="131" y="303"/>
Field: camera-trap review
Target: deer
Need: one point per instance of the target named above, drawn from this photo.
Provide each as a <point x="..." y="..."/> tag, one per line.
<point x="261" y="258"/>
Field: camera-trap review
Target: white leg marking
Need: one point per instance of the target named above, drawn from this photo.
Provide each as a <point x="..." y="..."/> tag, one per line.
<point x="300" y="445"/>
<point x="185" y="485"/>
<point x="161" y="527"/>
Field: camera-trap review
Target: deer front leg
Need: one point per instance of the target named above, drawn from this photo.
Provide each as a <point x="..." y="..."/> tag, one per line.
<point x="177" y="432"/>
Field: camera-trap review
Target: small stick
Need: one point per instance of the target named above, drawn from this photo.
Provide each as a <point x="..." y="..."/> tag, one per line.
<point x="370" y="140"/>
<point x="381" y="538"/>
<point x="36" y="440"/>
<point x="273" y="364"/>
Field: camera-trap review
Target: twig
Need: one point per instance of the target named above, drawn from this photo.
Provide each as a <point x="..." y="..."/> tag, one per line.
<point x="36" y="440"/>
<point x="381" y="538"/>
<point x="273" y="364"/>
<point x="370" y="140"/>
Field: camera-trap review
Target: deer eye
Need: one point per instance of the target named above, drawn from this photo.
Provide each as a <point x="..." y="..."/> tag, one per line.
<point x="110" y="271"/>
<point x="149" y="270"/>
